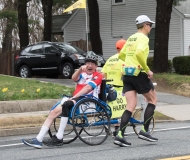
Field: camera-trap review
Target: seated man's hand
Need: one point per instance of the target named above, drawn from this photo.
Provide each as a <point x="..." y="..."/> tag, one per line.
<point x="83" y="68"/>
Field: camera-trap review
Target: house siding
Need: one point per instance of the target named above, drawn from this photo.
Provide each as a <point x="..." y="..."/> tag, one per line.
<point x="76" y="29"/>
<point x="174" y="44"/>
<point x="118" y="21"/>
<point x="187" y="37"/>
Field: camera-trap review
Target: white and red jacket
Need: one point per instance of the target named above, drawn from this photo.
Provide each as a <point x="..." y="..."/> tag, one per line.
<point x="93" y="80"/>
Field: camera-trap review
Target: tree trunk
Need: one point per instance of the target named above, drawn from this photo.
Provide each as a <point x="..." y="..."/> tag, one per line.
<point x="23" y="23"/>
<point x="47" y="9"/>
<point x="163" y="16"/>
<point x="7" y="40"/>
<point x="94" y="26"/>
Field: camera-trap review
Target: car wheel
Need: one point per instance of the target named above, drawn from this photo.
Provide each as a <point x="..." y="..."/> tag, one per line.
<point x="67" y="70"/>
<point x="24" y="72"/>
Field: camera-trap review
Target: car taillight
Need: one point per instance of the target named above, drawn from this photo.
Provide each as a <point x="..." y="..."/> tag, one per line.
<point x="17" y="57"/>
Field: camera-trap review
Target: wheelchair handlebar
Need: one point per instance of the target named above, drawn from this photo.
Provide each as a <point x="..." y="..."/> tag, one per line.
<point x="108" y="80"/>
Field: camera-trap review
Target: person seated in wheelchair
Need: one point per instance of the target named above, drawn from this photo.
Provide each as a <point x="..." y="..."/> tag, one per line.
<point x="88" y="82"/>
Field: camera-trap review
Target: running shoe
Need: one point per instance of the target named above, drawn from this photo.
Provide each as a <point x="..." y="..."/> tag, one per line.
<point x="146" y="136"/>
<point x="54" y="141"/>
<point x="121" y="141"/>
<point x="32" y="143"/>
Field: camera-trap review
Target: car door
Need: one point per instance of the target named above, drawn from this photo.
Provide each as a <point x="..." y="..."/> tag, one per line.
<point x="52" y="57"/>
<point x="36" y="57"/>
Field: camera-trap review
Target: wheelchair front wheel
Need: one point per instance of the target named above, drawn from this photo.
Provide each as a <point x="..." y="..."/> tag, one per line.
<point x="90" y="115"/>
<point x="138" y="126"/>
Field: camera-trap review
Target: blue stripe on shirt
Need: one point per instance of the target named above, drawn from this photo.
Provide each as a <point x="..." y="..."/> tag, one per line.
<point x="93" y="85"/>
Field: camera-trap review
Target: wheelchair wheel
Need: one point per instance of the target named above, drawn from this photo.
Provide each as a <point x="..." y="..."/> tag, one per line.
<point x="69" y="134"/>
<point x="138" y="126"/>
<point x="92" y="117"/>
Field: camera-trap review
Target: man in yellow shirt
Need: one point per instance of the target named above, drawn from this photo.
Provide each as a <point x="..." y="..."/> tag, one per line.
<point x="135" y="53"/>
<point x="112" y="70"/>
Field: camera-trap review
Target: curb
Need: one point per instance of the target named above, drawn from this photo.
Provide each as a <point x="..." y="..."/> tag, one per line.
<point x="26" y="105"/>
<point x="19" y="131"/>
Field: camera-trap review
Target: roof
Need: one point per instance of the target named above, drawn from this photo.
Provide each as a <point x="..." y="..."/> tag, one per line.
<point x="184" y="7"/>
<point x="58" y="21"/>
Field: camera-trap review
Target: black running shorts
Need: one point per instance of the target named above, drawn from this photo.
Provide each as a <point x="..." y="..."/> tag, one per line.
<point x="141" y="83"/>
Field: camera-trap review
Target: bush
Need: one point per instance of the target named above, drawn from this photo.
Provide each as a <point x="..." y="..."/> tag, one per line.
<point x="182" y="65"/>
<point x="150" y="63"/>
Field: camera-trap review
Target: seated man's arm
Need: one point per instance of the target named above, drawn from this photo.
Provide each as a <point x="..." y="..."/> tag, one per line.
<point x="88" y="88"/>
<point x="76" y="75"/>
<point x="97" y="80"/>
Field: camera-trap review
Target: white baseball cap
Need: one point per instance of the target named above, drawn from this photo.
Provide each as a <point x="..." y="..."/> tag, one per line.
<point x="143" y="18"/>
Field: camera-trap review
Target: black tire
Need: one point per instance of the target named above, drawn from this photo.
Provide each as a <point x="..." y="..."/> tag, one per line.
<point x="94" y="121"/>
<point x="67" y="70"/>
<point x="69" y="134"/>
<point x="24" y="72"/>
<point x="137" y="127"/>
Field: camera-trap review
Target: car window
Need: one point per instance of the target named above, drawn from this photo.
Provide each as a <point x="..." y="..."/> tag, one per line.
<point x="36" y="49"/>
<point x="48" y="47"/>
<point x="68" y="48"/>
<point x="27" y="49"/>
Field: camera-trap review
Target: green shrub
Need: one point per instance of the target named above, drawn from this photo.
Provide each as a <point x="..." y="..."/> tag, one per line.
<point x="182" y="65"/>
<point x="150" y="62"/>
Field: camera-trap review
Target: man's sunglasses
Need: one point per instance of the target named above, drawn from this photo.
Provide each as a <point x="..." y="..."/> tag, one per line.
<point x="149" y="24"/>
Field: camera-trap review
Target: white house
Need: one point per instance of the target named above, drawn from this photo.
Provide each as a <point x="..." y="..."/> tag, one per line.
<point x="117" y="20"/>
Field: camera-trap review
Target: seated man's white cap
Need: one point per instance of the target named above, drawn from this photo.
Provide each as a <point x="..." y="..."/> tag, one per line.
<point x="143" y="18"/>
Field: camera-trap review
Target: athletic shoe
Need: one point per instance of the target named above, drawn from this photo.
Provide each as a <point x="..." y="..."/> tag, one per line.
<point x="114" y="133"/>
<point x="54" y="141"/>
<point x="33" y="143"/>
<point x="146" y="136"/>
<point x="121" y="141"/>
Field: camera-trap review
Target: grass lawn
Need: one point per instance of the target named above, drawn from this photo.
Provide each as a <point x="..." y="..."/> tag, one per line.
<point x="13" y="88"/>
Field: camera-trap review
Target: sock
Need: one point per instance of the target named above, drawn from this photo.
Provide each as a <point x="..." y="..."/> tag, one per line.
<point x="124" y="121"/>
<point x="42" y="133"/>
<point x="62" y="126"/>
<point x="149" y="112"/>
<point x="116" y="128"/>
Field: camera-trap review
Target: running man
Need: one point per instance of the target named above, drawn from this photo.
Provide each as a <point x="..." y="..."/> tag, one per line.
<point x="135" y="53"/>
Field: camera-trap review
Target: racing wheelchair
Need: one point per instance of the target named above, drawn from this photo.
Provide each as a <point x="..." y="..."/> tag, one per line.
<point x="91" y="120"/>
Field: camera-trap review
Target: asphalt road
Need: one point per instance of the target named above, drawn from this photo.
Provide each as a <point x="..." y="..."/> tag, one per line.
<point x="173" y="141"/>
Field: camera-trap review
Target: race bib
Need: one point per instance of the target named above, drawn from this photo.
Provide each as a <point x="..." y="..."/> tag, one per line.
<point x="119" y="105"/>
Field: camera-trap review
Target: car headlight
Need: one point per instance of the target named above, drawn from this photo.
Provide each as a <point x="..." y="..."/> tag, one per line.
<point x="78" y="56"/>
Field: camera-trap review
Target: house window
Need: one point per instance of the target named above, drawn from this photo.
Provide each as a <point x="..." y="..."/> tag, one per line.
<point x="151" y="37"/>
<point x="118" y="2"/>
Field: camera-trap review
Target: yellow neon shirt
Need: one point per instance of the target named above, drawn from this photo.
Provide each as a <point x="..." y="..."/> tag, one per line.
<point x="137" y="41"/>
<point x="112" y="68"/>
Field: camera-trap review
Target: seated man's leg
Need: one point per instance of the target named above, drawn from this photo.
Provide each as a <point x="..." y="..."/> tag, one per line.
<point x="57" y="139"/>
<point x="37" y="142"/>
